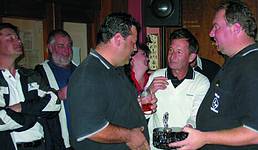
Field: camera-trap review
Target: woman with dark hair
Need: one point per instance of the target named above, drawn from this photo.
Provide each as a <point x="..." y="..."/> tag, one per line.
<point x="137" y="69"/>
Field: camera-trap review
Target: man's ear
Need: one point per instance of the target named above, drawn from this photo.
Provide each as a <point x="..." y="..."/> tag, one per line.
<point x="49" y="46"/>
<point x="236" y="27"/>
<point x="192" y="57"/>
<point x="117" y="39"/>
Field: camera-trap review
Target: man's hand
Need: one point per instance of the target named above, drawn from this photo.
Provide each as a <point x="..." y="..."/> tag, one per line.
<point x="136" y="140"/>
<point x="158" y="83"/>
<point x="16" y="107"/>
<point x="62" y="93"/>
<point x="195" y="140"/>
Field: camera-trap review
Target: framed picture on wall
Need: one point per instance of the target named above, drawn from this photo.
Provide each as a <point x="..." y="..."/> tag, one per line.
<point x="154" y="62"/>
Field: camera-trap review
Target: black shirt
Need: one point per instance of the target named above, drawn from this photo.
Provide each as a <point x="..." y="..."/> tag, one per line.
<point x="232" y="99"/>
<point x="100" y="94"/>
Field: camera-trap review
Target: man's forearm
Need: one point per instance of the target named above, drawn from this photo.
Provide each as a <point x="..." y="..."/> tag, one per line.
<point x="233" y="137"/>
<point x="111" y="134"/>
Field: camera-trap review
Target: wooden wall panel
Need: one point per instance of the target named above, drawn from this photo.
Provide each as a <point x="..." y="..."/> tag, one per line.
<point x="106" y="7"/>
<point x="30" y="9"/>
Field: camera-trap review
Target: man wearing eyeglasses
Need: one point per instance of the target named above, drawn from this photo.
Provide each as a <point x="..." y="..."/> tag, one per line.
<point x="57" y="71"/>
<point x="25" y="99"/>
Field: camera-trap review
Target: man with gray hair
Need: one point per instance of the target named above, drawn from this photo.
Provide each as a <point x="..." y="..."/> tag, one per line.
<point x="57" y="71"/>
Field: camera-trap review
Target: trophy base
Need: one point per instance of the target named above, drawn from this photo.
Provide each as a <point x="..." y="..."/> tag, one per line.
<point x="163" y="136"/>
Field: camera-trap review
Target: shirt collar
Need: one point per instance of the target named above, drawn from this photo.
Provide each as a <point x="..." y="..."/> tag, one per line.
<point x="95" y="54"/>
<point x="189" y="75"/>
<point x="199" y="62"/>
<point x="247" y="50"/>
<point x="8" y="74"/>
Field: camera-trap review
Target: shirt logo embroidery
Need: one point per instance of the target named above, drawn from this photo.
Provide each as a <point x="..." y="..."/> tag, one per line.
<point x="33" y="86"/>
<point x="188" y="94"/>
<point x="215" y="103"/>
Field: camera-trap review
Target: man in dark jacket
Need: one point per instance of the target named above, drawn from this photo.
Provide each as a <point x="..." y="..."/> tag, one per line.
<point x="57" y="71"/>
<point x="25" y="99"/>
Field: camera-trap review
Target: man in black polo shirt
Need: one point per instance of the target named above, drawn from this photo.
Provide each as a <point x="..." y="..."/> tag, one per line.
<point x="228" y="116"/>
<point x="105" y="113"/>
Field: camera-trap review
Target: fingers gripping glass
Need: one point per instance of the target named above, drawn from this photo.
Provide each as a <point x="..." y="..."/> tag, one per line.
<point x="146" y="106"/>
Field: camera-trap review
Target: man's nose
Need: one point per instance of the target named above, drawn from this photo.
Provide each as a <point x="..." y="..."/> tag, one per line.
<point x="135" y="48"/>
<point x="173" y="55"/>
<point x="211" y="34"/>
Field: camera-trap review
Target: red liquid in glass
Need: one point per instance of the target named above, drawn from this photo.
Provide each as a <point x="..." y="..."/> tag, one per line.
<point x="146" y="107"/>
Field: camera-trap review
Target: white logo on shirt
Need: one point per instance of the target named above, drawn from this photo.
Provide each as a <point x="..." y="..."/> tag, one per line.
<point x="33" y="86"/>
<point x="215" y="103"/>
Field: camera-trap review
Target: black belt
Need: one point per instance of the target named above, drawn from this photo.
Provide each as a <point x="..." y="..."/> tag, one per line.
<point x="31" y="144"/>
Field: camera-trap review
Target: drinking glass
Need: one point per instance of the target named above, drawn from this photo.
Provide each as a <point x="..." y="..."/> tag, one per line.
<point x="146" y="105"/>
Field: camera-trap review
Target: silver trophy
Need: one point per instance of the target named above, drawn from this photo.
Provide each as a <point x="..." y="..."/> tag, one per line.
<point x="162" y="136"/>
